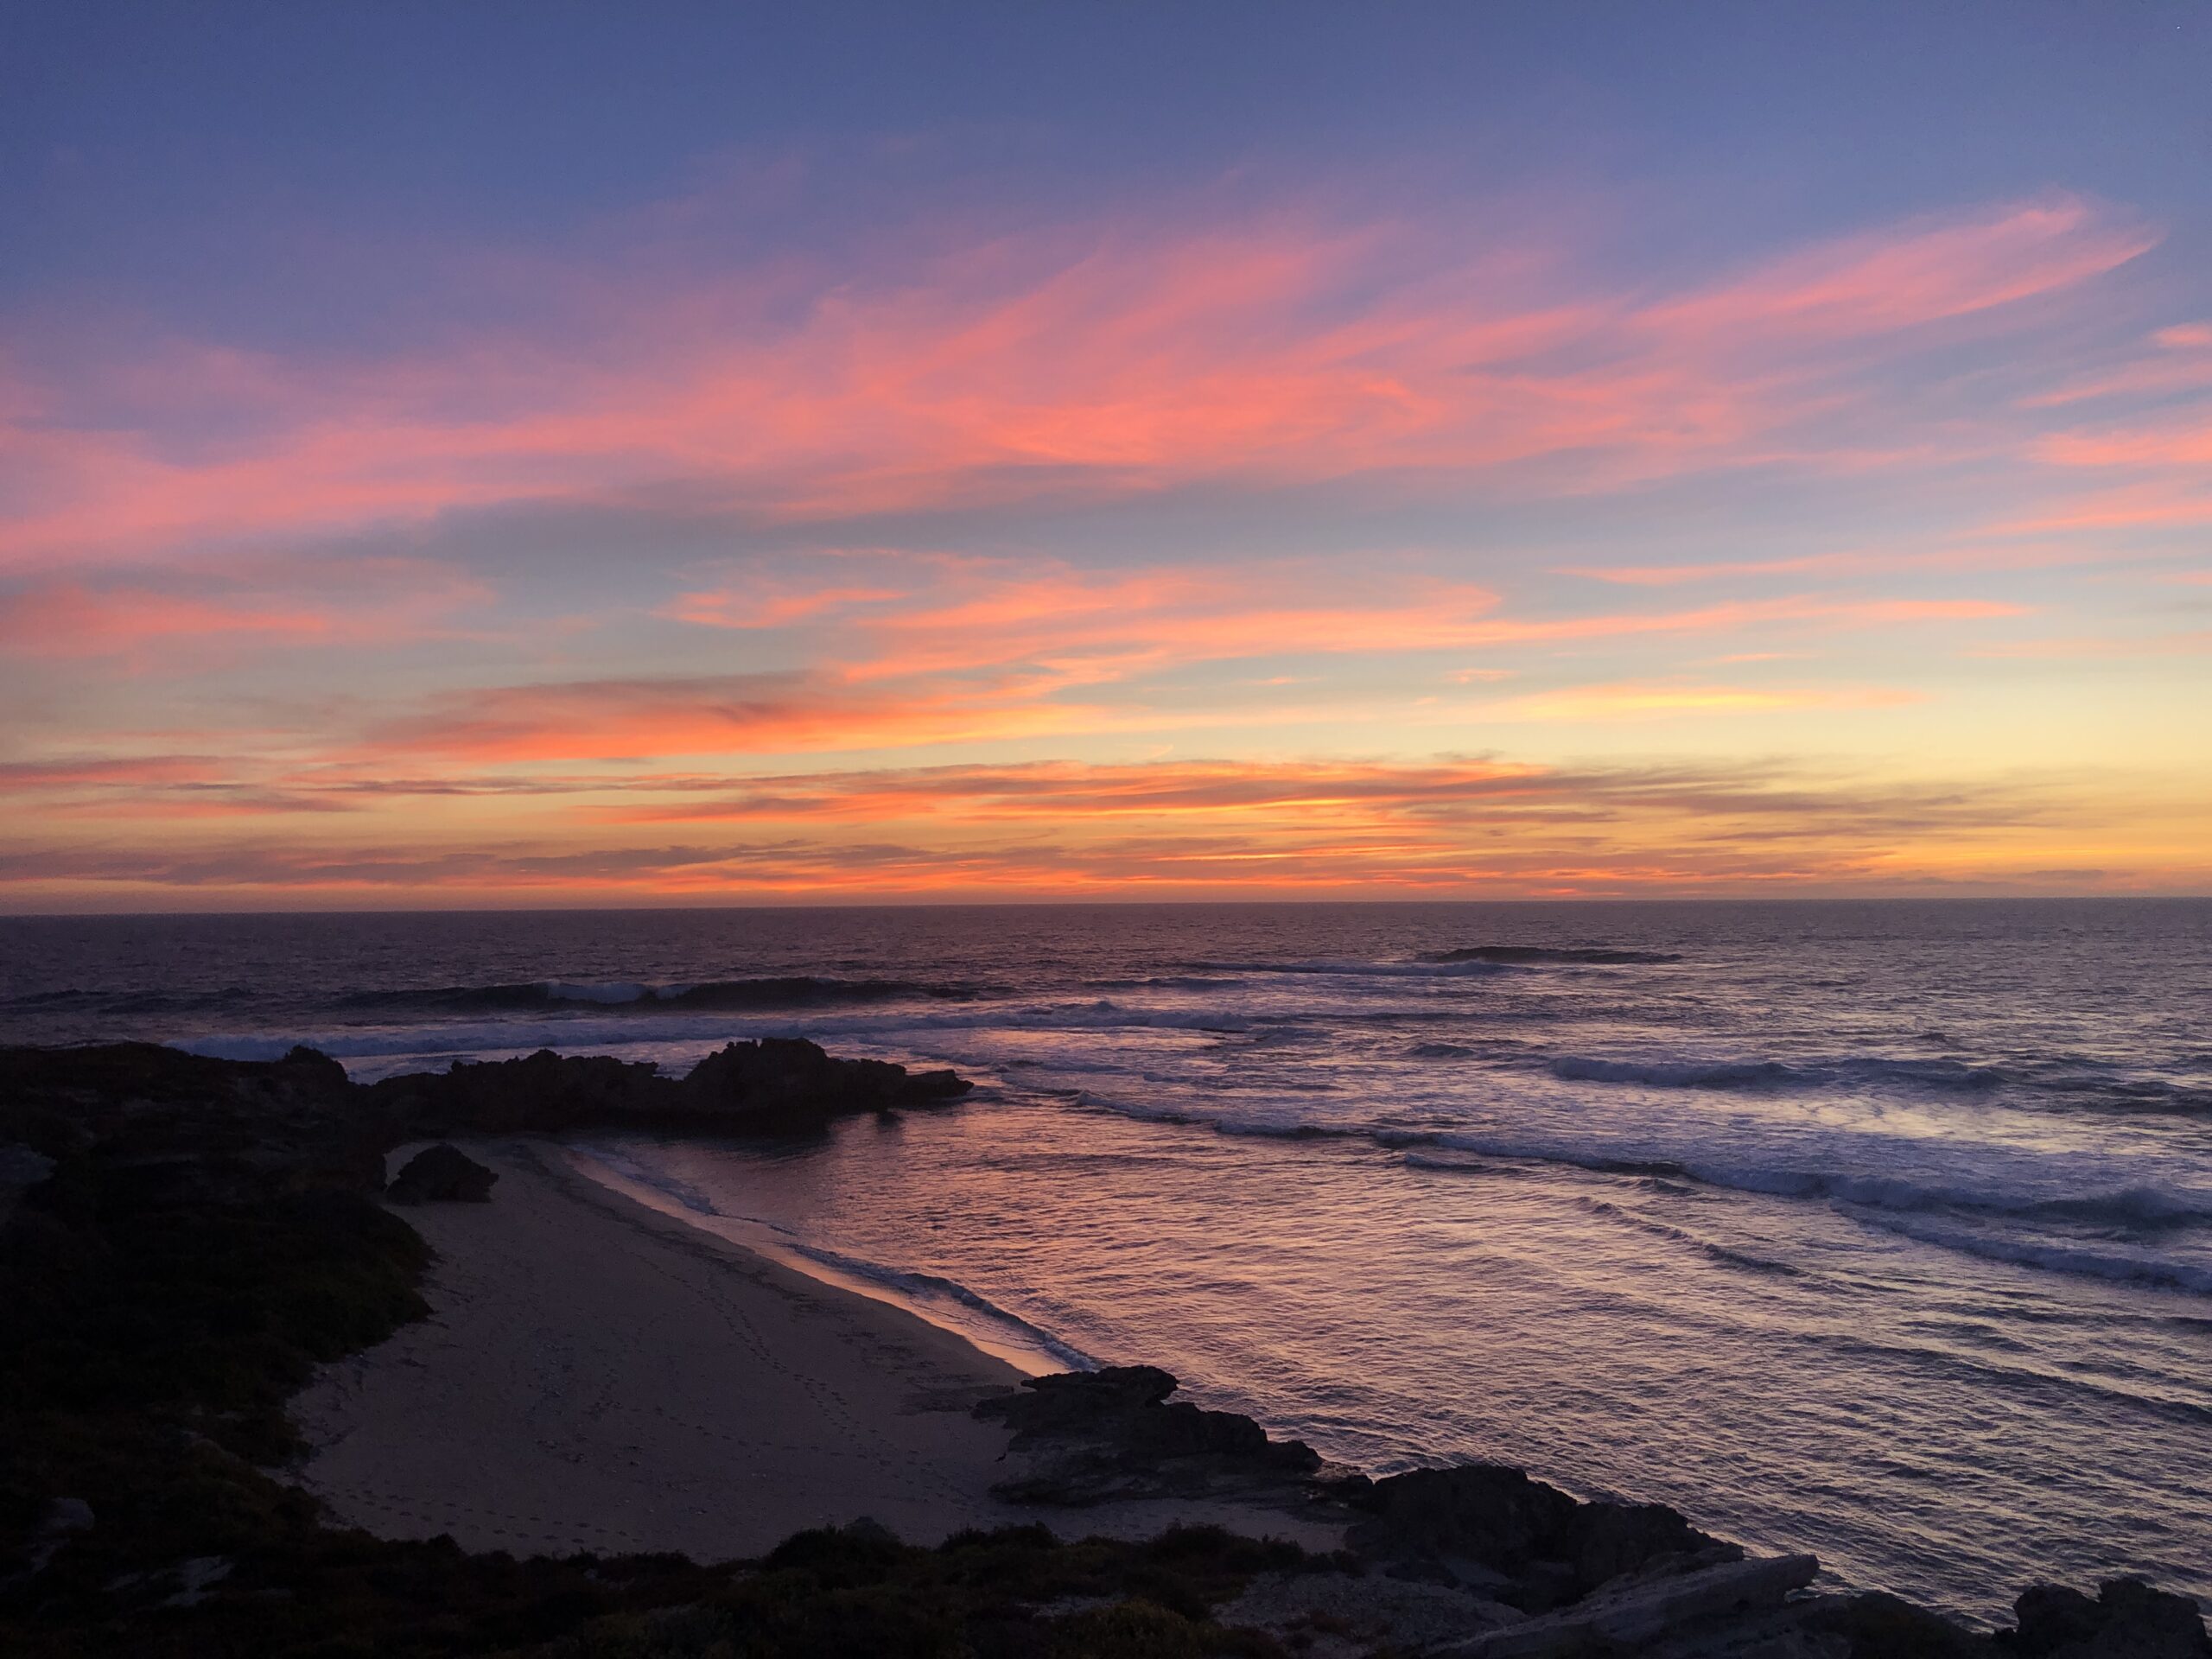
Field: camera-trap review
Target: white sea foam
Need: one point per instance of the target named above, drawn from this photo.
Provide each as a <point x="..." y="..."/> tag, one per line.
<point x="2094" y="1261"/>
<point x="619" y="991"/>
<point x="1730" y="1073"/>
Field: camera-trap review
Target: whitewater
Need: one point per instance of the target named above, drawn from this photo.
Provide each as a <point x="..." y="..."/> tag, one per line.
<point x="1879" y="1229"/>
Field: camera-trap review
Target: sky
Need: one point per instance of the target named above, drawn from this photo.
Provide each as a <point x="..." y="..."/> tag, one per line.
<point x="546" y="454"/>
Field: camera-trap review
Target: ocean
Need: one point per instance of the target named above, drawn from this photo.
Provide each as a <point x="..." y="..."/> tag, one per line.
<point x="1879" y="1229"/>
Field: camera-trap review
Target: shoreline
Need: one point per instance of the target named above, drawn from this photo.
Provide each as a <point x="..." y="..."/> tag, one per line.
<point x="597" y="1375"/>
<point x="997" y="1335"/>
<point x="564" y="1416"/>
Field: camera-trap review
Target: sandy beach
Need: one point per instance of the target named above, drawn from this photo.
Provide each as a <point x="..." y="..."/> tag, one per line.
<point x="595" y="1376"/>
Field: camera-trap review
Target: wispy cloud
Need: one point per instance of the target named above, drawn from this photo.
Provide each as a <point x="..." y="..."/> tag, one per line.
<point x="1461" y="825"/>
<point x="1117" y="357"/>
<point x="165" y="617"/>
<point x="940" y="614"/>
<point x="1103" y="459"/>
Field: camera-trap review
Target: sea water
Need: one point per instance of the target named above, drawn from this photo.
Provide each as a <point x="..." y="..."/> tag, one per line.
<point x="1879" y="1230"/>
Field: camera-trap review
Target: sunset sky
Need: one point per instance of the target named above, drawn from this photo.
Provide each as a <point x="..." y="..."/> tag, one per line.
<point x="535" y="454"/>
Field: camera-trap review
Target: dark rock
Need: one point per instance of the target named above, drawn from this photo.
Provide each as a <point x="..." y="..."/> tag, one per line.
<point x="167" y="1128"/>
<point x="1113" y="1434"/>
<point x="543" y="1093"/>
<point x="1631" y="1614"/>
<point x="782" y="1080"/>
<point x="1620" y="1538"/>
<point x="442" y="1174"/>
<point x="65" y="1518"/>
<point x="2127" y="1620"/>
<point x="775" y="1086"/>
<point x="1551" y="1549"/>
<point x="1878" y="1626"/>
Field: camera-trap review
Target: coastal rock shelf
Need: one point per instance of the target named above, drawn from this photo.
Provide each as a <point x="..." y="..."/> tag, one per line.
<point x="772" y="1086"/>
<point x="1508" y="1566"/>
<point x="193" y="1242"/>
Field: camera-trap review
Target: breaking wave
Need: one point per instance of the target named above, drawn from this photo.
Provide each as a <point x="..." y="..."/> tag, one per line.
<point x="1532" y="955"/>
<point x="1353" y="968"/>
<point x="2085" y="1259"/>
<point x="1939" y="1074"/>
<point x="924" y="1293"/>
<point x="789" y="991"/>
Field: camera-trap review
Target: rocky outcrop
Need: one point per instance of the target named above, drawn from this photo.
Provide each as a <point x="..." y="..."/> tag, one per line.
<point x="171" y="1128"/>
<point x="541" y="1093"/>
<point x="773" y="1085"/>
<point x="167" y="1128"/>
<point x="2127" y="1620"/>
<point x="1633" y="1612"/>
<point x="1490" y="1527"/>
<point x="1097" y="1436"/>
<point x="442" y="1174"/>
<point x="783" y="1079"/>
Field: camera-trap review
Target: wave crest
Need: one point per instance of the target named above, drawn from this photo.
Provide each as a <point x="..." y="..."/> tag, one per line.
<point x="721" y="995"/>
<point x="1535" y="955"/>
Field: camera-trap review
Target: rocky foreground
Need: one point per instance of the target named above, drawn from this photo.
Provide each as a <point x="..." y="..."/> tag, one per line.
<point x="1481" y="1562"/>
<point x="182" y="1240"/>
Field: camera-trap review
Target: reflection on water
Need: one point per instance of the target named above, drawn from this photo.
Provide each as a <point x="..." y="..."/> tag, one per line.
<point x="1942" y="1426"/>
<point x="1879" y="1229"/>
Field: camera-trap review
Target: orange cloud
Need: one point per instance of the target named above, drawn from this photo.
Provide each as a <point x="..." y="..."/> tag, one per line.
<point x="1638" y="700"/>
<point x="957" y="614"/>
<point x="761" y="714"/>
<point x="953" y="616"/>
<point x="1465" y="826"/>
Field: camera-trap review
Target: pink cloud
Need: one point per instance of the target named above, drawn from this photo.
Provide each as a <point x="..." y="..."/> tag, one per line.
<point x="1123" y="361"/>
<point x="2161" y="504"/>
<point x="765" y="713"/>
<point x="269" y="604"/>
<point x="951" y="615"/>
<point x="2182" y="441"/>
<point x="1908" y="276"/>
<point x="1963" y="557"/>
<point x="994" y="667"/>
<point x="2180" y="360"/>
